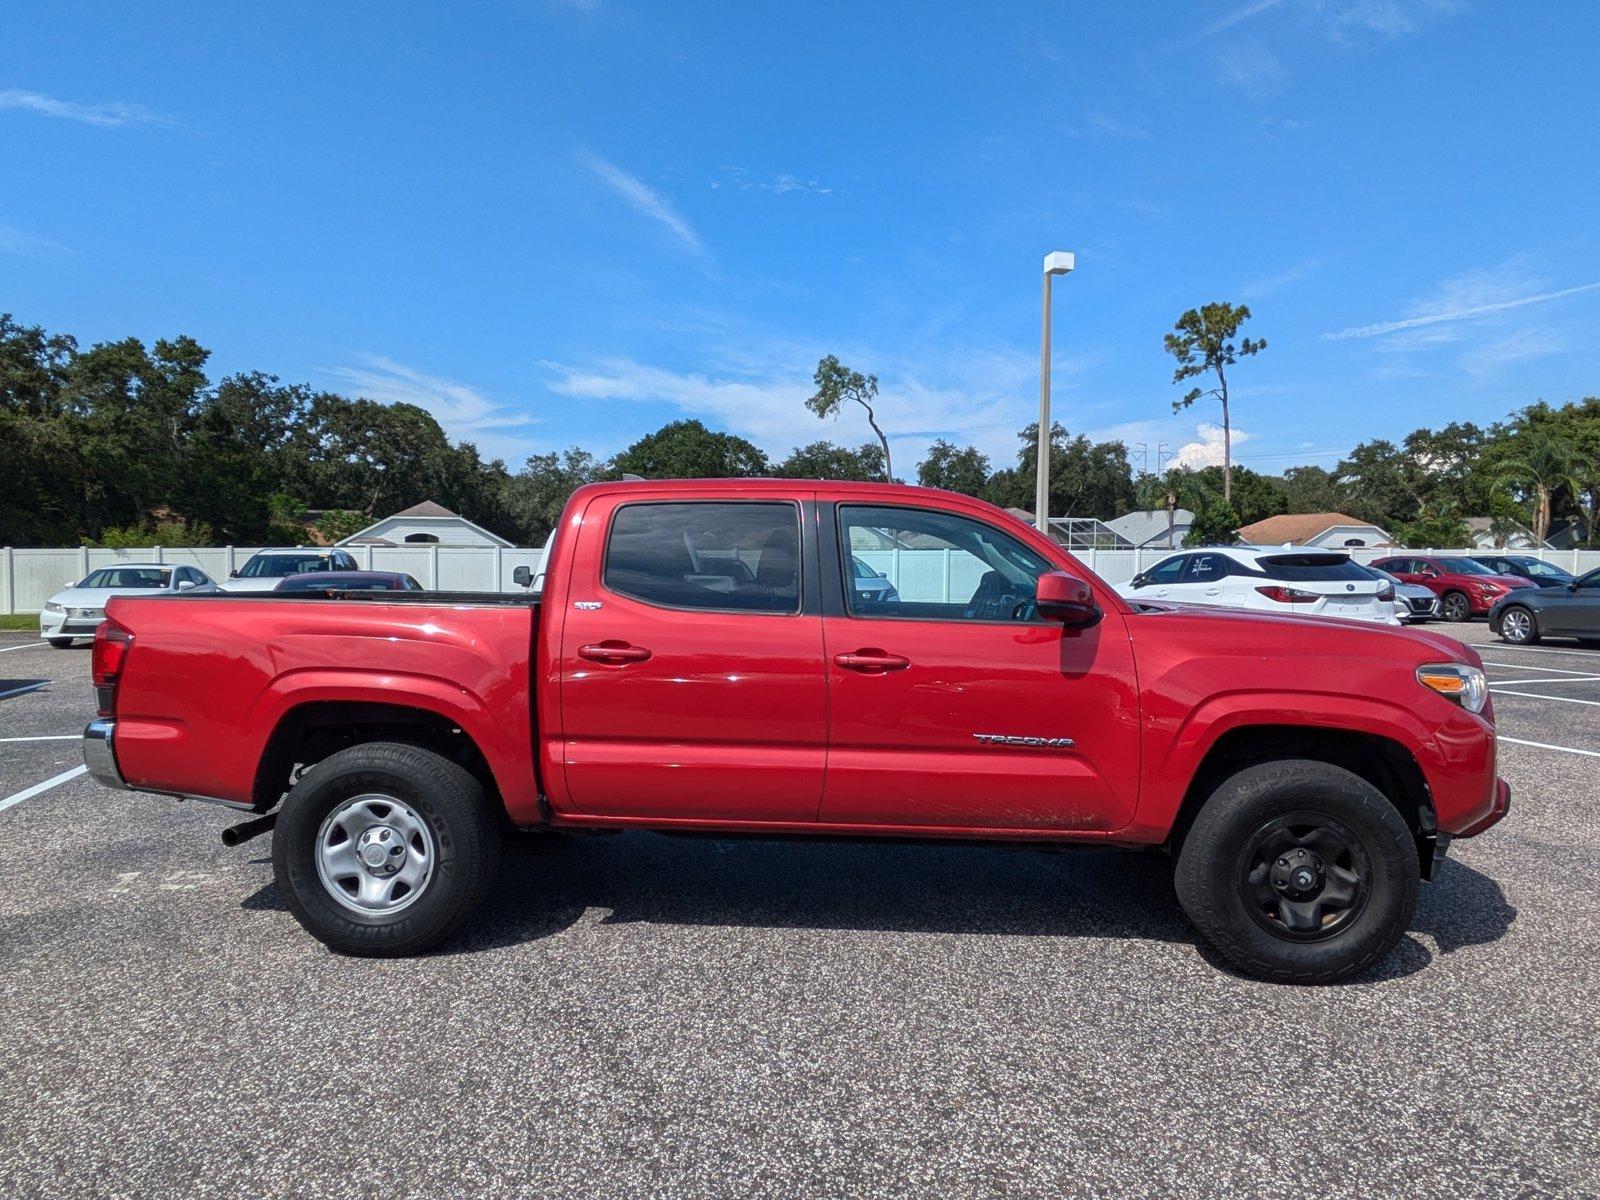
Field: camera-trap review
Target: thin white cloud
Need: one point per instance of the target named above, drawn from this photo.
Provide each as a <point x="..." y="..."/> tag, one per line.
<point x="1459" y="313"/>
<point x="1252" y="67"/>
<point x="1490" y="358"/>
<point x="1239" y="16"/>
<point x="782" y="184"/>
<point x="1206" y="450"/>
<point x="28" y="245"/>
<point x="1269" y="285"/>
<point x="107" y="115"/>
<point x="462" y="411"/>
<point x="643" y="199"/>
<point x="1099" y="124"/>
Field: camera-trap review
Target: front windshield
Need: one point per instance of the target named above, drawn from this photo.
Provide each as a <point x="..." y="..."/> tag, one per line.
<point x="127" y="577"/>
<point x="1544" y="570"/>
<point x="276" y="566"/>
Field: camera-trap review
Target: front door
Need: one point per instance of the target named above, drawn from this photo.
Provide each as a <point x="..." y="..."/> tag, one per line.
<point x="691" y="673"/>
<point x="952" y="703"/>
<point x="1572" y="611"/>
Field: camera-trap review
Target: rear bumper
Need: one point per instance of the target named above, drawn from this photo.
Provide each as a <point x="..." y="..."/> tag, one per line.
<point x="100" y="753"/>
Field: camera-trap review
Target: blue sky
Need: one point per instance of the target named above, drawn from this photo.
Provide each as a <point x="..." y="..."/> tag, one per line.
<point x="556" y="223"/>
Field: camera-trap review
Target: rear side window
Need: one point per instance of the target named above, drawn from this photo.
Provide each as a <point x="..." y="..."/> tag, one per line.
<point x="1204" y="568"/>
<point x="731" y="557"/>
<point x="1312" y="568"/>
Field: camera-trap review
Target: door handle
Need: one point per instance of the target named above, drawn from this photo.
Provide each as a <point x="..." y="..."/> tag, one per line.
<point x="871" y="661"/>
<point x="613" y="652"/>
<point x="1213" y="591"/>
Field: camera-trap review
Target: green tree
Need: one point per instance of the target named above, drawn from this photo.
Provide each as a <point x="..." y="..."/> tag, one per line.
<point x="824" y="460"/>
<point x="1378" y="482"/>
<point x="1202" y="342"/>
<point x="688" y="450"/>
<point x="837" y="386"/>
<point x="1310" y="489"/>
<point x="1255" y="497"/>
<point x="534" y="497"/>
<point x="963" y="469"/>
<point x="1539" y="468"/>
<point x="1087" y="479"/>
<point x="1215" y="523"/>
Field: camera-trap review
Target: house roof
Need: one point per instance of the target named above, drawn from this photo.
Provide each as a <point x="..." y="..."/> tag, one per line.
<point x="426" y="509"/>
<point x="1143" y="525"/>
<point x="1299" y="528"/>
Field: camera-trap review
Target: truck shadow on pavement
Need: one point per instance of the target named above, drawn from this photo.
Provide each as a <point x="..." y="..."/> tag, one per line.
<point x="548" y="883"/>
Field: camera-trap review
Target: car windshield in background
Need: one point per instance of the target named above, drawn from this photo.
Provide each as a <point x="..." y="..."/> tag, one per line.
<point x="313" y="583"/>
<point x="127" y="577"/>
<point x="1465" y="566"/>
<point x="1544" y="570"/>
<point x="1307" y="568"/>
<point x="269" y="566"/>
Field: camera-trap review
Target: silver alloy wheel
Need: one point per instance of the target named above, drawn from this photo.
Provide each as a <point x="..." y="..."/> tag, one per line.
<point x="1516" y="625"/>
<point x="375" y="854"/>
<point x="1456" y="607"/>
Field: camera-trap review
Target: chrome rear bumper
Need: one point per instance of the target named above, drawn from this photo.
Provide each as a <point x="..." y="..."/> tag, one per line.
<point x="99" y="755"/>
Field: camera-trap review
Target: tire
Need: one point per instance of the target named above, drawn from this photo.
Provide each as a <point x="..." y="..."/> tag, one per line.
<point x="1232" y="842"/>
<point x="1454" y="606"/>
<point x="1519" y="626"/>
<point x="377" y="796"/>
<point x="60" y="643"/>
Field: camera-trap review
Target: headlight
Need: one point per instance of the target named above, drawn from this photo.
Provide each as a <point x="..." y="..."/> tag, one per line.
<point x="1456" y="681"/>
<point x="52" y="606"/>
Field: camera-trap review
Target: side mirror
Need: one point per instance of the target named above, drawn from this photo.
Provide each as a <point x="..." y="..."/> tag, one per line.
<point x="1068" y="599"/>
<point x="233" y="574"/>
<point x="522" y="576"/>
<point x="185" y="585"/>
<point x="1138" y="580"/>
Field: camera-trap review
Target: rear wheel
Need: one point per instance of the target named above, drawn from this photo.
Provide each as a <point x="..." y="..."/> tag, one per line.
<point x="1517" y="626"/>
<point x="384" y="849"/>
<point x="1454" y="606"/>
<point x="1299" y="872"/>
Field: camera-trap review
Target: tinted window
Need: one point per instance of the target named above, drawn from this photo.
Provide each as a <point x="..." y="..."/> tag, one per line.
<point x="1166" y="571"/>
<point x="1591" y="580"/>
<point x="127" y="577"/>
<point x="1205" y="568"/>
<point x="743" y="556"/>
<point x="1535" y="569"/>
<point x="275" y="566"/>
<point x="940" y="566"/>
<point x="1307" y="568"/>
<point x="344" y="562"/>
<point x="1463" y="566"/>
<point x="1396" y="566"/>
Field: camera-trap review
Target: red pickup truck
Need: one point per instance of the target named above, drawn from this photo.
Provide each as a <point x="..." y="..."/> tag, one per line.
<point x="790" y="657"/>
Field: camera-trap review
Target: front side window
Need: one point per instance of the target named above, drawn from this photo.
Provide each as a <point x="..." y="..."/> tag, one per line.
<point x="740" y="556"/>
<point x="1167" y="571"/>
<point x="939" y="566"/>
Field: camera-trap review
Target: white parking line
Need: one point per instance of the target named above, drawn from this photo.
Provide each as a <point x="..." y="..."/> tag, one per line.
<point x="25" y="646"/>
<point x="29" y="793"/>
<point x="46" y="737"/>
<point x="32" y="687"/>
<point x="1494" y="683"/>
<point x="1541" y="670"/>
<point x="1547" y="746"/>
<point x="1501" y="647"/>
<point x="1537" y="696"/>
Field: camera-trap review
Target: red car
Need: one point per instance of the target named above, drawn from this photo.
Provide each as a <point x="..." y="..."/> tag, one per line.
<point x="1465" y="588"/>
<point x="700" y="662"/>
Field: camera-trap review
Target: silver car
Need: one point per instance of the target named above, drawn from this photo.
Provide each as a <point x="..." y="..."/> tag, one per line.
<point x="78" y="610"/>
<point x="1412" y="602"/>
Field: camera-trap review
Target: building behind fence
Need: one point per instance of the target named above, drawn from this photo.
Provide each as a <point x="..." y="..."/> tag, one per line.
<point x="30" y="577"/>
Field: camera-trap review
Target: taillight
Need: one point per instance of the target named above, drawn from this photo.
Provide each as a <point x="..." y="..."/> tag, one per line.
<point x="111" y="642"/>
<point x="1288" y="595"/>
<point x="1386" y="593"/>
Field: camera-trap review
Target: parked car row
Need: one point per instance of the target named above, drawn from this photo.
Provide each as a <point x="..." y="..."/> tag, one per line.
<point x="1304" y="581"/>
<point x="77" y="610"/>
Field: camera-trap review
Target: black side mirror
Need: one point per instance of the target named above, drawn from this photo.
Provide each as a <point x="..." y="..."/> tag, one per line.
<point x="234" y="574"/>
<point x="1068" y="599"/>
<point x="1138" y="580"/>
<point x="522" y="576"/>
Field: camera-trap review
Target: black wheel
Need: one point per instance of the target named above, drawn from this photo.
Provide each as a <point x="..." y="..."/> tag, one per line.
<point x="384" y="849"/>
<point x="1299" y="872"/>
<point x="1455" y="606"/>
<point x="1518" y="626"/>
<point x="60" y="643"/>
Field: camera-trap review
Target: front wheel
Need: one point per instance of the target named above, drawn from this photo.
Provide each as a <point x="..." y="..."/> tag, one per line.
<point x="1455" y="607"/>
<point x="1298" y="871"/>
<point x="1518" y="627"/>
<point x="384" y="849"/>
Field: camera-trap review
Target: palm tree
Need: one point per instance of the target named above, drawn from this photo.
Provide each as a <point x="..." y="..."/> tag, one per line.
<point x="1544" y="467"/>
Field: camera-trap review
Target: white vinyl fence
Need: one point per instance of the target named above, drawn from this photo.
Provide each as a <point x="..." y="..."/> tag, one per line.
<point x="30" y="577"/>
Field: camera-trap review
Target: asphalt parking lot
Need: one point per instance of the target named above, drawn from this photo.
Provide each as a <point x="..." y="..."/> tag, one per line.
<point x="644" y="1015"/>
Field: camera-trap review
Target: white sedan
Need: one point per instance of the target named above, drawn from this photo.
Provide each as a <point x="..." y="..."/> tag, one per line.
<point x="78" y="610"/>
<point x="1287" y="579"/>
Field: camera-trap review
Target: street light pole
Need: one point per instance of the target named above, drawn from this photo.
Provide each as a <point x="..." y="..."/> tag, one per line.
<point x="1057" y="262"/>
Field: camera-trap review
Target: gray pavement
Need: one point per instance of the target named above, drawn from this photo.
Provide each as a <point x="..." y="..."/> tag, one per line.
<point x="640" y="1015"/>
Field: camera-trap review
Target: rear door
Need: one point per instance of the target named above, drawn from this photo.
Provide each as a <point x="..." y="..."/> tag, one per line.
<point x="952" y="703"/>
<point x="691" y="671"/>
<point x="1205" y="581"/>
<point x="1572" y="612"/>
